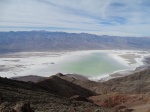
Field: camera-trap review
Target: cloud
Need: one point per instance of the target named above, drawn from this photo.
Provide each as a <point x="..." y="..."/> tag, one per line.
<point x="112" y="17"/>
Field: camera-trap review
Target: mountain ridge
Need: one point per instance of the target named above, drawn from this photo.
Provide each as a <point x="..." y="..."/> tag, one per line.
<point x="58" y="41"/>
<point x="13" y="93"/>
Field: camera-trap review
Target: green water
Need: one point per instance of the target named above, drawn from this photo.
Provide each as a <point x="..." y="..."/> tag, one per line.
<point x="92" y="64"/>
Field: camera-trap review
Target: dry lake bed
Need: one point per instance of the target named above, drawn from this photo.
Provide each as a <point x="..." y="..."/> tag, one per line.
<point x="94" y="64"/>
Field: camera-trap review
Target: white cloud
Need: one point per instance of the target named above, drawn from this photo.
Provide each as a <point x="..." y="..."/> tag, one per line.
<point x="112" y="17"/>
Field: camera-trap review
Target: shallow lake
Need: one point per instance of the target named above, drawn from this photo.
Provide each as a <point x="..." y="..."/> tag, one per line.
<point x="89" y="64"/>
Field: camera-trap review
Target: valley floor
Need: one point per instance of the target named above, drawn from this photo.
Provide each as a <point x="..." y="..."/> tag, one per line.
<point x="50" y="63"/>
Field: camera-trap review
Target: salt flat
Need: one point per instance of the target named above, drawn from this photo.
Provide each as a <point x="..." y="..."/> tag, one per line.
<point x="94" y="64"/>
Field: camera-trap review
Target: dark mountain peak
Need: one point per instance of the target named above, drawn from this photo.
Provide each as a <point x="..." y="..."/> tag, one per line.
<point x="61" y="87"/>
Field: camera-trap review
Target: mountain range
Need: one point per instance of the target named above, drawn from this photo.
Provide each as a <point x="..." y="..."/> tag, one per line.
<point x="58" y="41"/>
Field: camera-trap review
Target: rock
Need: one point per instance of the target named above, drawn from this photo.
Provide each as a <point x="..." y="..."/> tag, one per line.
<point x="79" y="98"/>
<point x="128" y="110"/>
<point x="120" y="107"/>
<point x="8" y="110"/>
<point x="1" y="99"/>
<point x="59" y="74"/>
<point x="23" y="107"/>
<point x="5" y="108"/>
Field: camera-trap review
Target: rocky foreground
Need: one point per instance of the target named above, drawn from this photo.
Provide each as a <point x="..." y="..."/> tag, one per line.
<point x="67" y="93"/>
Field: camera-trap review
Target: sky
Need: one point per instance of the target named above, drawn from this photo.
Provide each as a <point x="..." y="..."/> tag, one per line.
<point x="102" y="17"/>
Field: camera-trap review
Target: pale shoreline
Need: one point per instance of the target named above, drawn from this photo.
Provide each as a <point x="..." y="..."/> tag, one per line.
<point x="54" y="57"/>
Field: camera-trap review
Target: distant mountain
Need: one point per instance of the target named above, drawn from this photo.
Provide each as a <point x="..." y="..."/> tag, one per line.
<point x="57" y="41"/>
<point x="32" y="78"/>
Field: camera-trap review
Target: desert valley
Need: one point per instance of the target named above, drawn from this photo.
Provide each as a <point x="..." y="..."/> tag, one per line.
<point x="83" y="79"/>
<point x="74" y="56"/>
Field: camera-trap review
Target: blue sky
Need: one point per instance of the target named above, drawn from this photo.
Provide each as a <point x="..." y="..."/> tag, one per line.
<point x="102" y="17"/>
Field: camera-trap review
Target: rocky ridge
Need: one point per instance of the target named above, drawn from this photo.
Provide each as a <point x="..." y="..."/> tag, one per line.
<point x="70" y="93"/>
<point x="41" y="98"/>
